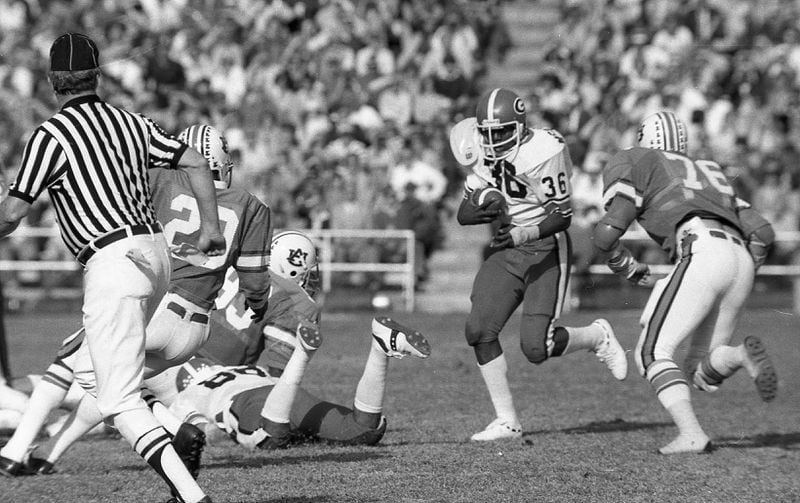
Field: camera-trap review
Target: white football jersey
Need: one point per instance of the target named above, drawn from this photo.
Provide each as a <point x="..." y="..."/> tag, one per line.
<point x="212" y="396"/>
<point x="533" y="180"/>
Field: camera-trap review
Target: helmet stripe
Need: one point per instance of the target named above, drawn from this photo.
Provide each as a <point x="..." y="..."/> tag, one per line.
<point x="666" y="124"/>
<point x="490" y="106"/>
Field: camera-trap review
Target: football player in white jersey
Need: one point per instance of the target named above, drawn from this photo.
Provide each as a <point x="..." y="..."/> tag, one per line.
<point x="531" y="168"/>
<point x="255" y="406"/>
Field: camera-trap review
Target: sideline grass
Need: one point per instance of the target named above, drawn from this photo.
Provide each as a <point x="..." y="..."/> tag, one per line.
<point x="587" y="437"/>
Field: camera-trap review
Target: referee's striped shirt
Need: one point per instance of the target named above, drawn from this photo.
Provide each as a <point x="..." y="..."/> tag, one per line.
<point x="93" y="158"/>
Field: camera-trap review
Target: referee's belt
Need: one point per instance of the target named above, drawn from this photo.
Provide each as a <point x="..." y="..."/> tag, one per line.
<point x="181" y="311"/>
<point x="114" y="236"/>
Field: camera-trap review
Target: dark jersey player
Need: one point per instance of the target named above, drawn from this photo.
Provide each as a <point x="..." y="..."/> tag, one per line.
<point x="716" y="242"/>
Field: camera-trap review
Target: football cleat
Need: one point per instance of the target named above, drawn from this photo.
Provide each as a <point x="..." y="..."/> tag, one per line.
<point x="497" y="430"/>
<point x="610" y="352"/>
<point x="688" y="444"/>
<point x="309" y="336"/>
<point x="11" y="468"/>
<point x="39" y="466"/>
<point x="397" y="340"/>
<point x="760" y="367"/>
<point x="189" y="443"/>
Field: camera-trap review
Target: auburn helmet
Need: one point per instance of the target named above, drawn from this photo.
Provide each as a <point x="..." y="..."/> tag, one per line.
<point x="195" y="369"/>
<point x="212" y="144"/>
<point x="502" y="123"/>
<point x="663" y="131"/>
<point x="293" y="256"/>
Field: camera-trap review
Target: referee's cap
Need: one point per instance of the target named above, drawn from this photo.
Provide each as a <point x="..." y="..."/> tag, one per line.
<point x="73" y="52"/>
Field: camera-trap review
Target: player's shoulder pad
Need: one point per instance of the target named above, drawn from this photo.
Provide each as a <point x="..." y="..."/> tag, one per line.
<point x="464" y="143"/>
<point x="540" y="146"/>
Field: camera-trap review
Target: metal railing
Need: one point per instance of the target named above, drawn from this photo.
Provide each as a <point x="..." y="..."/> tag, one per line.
<point x="325" y="239"/>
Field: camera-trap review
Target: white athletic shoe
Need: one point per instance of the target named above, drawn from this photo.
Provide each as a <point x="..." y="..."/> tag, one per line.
<point x="498" y="430"/>
<point x="309" y="336"/>
<point x="397" y="340"/>
<point x="610" y="352"/>
<point x="760" y="368"/>
<point x="683" y="444"/>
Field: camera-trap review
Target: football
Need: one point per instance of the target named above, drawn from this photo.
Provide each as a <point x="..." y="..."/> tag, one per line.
<point x="497" y="199"/>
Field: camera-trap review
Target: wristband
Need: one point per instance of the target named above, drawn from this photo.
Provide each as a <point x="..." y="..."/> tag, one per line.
<point x="527" y="234"/>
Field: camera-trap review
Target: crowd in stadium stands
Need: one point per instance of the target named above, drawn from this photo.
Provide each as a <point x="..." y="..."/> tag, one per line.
<point x="336" y="111"/>
<point x="729" y="68"/>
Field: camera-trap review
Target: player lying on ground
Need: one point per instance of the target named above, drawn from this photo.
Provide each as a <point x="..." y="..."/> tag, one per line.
<point x="260" y="411"/>
<point x="688" y="207"/>
<point x="292" y="269"/>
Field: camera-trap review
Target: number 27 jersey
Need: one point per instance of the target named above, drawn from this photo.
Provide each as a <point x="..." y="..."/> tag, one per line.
<point x="246" y="227"/>
<point x="667" y="189"/>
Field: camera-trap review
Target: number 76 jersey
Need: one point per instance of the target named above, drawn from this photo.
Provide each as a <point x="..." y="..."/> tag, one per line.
<point x="668" y="188"/>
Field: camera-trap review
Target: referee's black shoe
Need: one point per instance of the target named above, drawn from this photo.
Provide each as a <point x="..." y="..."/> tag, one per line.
<point x="189" y="443"/>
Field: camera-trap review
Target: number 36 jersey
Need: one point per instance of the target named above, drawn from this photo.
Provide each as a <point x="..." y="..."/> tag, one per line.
<point x="668" y="188"/>
<point x="245" y="224"/>
<point x="535" y="182"/>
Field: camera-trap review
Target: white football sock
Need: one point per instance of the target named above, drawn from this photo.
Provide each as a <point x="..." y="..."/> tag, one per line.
<point x="46" y="396"/>
<point x="726" y="360"/>
<point x="85" y="417"/>
<point x="684" y="417"/>
<point x="494" y="375"/>
<point x="372" y="385"/>
<point x="583" y="338"/>
<point x="278" y="405"/>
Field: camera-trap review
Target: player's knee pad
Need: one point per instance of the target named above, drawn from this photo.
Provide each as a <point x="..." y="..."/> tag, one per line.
<point x="535" y="337"/>
<point x="477" y="332"/>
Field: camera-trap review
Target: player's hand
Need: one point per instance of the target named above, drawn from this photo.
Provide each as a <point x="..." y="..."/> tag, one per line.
<point x="470" y="214"/>
<point x="211" y="243"/>
<point x="641" y="275"/>
<point x="623" y="263"/>
<point x="503" y="237"/>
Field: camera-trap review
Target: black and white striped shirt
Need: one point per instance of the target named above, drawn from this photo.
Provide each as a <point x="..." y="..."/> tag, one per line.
<point x="93" y="158"/>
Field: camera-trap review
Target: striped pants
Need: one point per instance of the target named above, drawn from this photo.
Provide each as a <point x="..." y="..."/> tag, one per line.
<point x="701" y="298"/>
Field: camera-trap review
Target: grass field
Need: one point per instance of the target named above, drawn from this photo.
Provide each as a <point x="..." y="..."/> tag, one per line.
<point x="587" y="437"/>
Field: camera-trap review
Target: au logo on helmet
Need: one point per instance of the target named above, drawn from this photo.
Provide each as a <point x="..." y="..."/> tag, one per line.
<point x="297" y="257"/>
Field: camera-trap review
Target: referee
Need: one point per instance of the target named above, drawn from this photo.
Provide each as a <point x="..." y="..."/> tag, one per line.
<point x="93" y="159"/>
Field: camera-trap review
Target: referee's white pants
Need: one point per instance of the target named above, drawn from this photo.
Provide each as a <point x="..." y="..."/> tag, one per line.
<point x="124" y="282"/>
